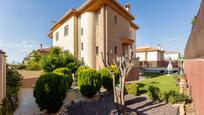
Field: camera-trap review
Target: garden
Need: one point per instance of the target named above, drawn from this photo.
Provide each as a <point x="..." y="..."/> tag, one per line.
<point x="98" y="88"/>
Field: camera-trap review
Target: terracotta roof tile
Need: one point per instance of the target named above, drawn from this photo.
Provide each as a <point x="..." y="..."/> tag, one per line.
<point x="2" y="52"/>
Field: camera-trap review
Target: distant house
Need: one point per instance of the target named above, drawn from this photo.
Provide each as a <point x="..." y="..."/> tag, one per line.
<point x="173" y="55"/>
<point x="2" y="75"/>
<point x="150" y="57"/>
<point x="194" y="61"/>
<point x="41" y="51"/>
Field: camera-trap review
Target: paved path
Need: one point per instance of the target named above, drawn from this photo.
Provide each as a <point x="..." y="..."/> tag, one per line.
<point x="27" y="105"/>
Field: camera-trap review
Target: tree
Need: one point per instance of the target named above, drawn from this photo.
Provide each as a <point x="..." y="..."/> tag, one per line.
<point x="56" y="58"/>
<point x="124" y="65"/>
<point x="36" y="56"/>
<point x="71" y="62"/>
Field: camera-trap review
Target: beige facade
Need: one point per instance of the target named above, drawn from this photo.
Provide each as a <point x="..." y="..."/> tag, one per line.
<point x="96" y="27"/>
<point x="2" y="75"/>
<point x="150" y="57"/>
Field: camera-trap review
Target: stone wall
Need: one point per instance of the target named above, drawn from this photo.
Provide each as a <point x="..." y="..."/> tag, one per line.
<point x="2" y="75"/>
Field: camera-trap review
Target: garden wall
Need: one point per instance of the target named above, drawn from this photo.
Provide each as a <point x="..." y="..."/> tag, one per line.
<point x="194" y="61"/>
<point x="195" y="73"/>
<point x="29" y="78"/>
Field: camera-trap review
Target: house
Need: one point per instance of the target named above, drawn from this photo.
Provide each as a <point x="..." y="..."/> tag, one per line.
<point x="150" y="57"/>
<point x="97" y="26"/>
<point x="41" y="51"/>
<point x="173" y="55"/>
<point x="2" y="75"/>
<point x="194" y="61"/>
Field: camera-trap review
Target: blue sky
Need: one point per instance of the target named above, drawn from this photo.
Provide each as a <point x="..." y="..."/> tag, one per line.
<point x="24" y="24"/>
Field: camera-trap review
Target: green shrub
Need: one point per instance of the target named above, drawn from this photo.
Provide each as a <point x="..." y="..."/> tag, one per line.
<point x="66" y="73"/>
<point x="35" y="66"/>
<point x="172" y="97"/>
<point x="57" y="58"/>
<point x="163" y="96"/>
<point x="21" y="66"/>
<point x="107" y="80"/>
<point x="132" y="88"/>
<point x="115" y="70"/>
<point x="153" y="93"/>
<point x="89" y="82"/>
<point x="13" y="83"/>
<point x="176" y="97"/>
<point x="50" y="91"/>
<point x="79" y="70"/>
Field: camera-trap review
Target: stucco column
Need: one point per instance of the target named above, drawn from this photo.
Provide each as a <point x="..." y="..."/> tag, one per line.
<point x="2" y="76"/>
<point x="90" y="40"/>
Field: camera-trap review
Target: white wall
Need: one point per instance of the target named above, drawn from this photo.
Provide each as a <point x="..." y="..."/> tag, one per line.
<point x="174" y="56"/>
<point x="151" y="56"/>
<point x="141" y="56"/>
<point x="65" y="42"/>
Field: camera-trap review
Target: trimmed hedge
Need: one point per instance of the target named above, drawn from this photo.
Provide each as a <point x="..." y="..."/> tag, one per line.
<point x="132" y="88"/>
<point x="66" y="73"/>
<point x="107" y="80"/>
<point x="89" y="82"/>
<point x="50" y="91"/>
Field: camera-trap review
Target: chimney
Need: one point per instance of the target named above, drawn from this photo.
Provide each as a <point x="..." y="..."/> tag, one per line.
<point x="159" y="47"/>
<point x="41" y="46"/>
<point x="127" y="6"/>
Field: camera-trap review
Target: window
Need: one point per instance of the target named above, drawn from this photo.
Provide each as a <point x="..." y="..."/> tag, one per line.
<point x="82" y="46"/>
<point x="116" y="49"/>
<point x="66" y="30"/>
<point x="97" y="17"/>
<point x="82" y="31"/>
<point x="96" y="50"/>
<point x="115" y="19"/>
<point x="130" y="34"/>
<point x="57" y="36"/>
<point x="130" y="46"/>
<point x="82" y="60"/>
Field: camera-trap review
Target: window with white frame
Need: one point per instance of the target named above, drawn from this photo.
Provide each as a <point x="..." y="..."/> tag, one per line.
<point x="57" y="36"/>
<point x="66" y="30"/>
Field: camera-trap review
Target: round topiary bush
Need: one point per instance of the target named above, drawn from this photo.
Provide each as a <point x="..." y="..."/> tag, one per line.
<point x="107" y="80"/>
<point x="132" y="88"/>
<point x="66" y="73"/>
<point x="50" y="91"/>
<point x="79" y="70"/>
<point x="89" y="82"/>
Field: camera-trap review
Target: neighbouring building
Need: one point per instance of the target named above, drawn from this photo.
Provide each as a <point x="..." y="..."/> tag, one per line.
<point x="194" y="61"/>
<point x="173" y="55"/>
<point x="2" y="75"/>
<point x="97" y="26"/>
<point x="150" y="57"/>
<point x="41" y="51"/>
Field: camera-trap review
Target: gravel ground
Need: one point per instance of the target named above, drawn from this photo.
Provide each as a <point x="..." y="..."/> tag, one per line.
<point x="103" y="105"/>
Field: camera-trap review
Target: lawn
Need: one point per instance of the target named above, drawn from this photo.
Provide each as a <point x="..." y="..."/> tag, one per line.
<point x="163" y="82"/>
